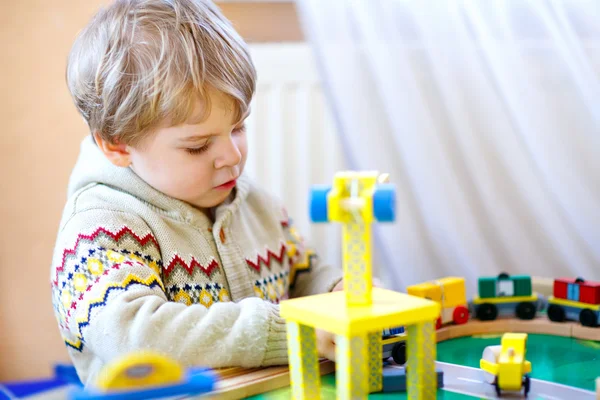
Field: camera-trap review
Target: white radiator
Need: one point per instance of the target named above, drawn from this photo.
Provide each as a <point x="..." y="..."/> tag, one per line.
<point x="292" y="140"/>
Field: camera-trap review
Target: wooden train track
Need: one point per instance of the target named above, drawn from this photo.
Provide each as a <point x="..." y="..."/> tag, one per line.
<point x="540" y="325"/>
<point x="236" y="383"/>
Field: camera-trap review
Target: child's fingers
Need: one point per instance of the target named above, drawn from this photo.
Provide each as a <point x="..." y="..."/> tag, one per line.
<point x="325" y="344"/>
<point x="329" y="351"/>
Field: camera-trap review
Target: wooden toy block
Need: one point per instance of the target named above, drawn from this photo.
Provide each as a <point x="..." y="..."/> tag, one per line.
<point x="304" y="367"/>
<point x="375" y="364"/>
<point x="449" y="291"/>
<point x="394" y="379"/>
<point x="351" y="372"/>
<point x="585" y="332"/>
<point x="389" y="309"/>
<point x="358" y="272"/>
<point x="421" y="350"/>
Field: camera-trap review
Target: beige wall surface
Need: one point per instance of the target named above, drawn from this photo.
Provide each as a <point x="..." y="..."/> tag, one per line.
<point x="39" y="140"/>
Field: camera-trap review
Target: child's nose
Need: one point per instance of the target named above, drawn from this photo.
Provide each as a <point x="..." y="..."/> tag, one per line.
<point x="229" y="156"/>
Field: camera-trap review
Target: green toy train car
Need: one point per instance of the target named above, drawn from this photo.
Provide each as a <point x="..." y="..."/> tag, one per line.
<point x="506" y="295"/>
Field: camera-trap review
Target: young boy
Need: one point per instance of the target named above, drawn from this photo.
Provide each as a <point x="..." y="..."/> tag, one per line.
<point x="164" y="243"/>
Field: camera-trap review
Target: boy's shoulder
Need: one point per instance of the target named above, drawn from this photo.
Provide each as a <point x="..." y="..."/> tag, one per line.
<point x="95" y="200"/>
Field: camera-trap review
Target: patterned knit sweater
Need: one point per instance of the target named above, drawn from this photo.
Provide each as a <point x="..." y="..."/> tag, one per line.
<point x="135" y="269"/>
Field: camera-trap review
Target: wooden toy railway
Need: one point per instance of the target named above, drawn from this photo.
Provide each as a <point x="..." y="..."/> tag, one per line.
<point x="235" y="383"/>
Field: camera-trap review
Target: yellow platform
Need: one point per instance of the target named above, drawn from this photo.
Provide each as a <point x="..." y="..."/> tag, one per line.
<point x="329" y="312"/>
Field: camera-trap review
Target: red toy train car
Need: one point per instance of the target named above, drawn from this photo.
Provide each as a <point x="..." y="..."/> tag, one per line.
<point x="575" y="299"/>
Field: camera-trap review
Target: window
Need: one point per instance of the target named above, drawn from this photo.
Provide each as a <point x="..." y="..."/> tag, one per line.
<point x="505" y="287"/>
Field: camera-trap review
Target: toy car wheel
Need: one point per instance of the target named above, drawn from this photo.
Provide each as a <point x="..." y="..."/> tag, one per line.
<point x="318" y="203"/>
<point x="588" y="318"/>
<point x="497" y="387"/>
<point x="526" y="385"/>
<point x="399" y="353"/>
<point x="486" y="312"/>
<point x="526" y="310"/>
<point x="556" y="313"/>
<point x="384" y="202"/>
<point x="460" y="315"/>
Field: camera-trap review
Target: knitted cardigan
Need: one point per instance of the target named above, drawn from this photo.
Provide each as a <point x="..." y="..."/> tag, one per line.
<point x="136" y="269"/>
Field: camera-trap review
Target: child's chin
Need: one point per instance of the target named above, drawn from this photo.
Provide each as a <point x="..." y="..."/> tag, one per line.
<point x="214" y="201"/>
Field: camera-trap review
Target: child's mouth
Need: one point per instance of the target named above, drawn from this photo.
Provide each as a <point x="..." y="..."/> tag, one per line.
<point x="227" y="185"/>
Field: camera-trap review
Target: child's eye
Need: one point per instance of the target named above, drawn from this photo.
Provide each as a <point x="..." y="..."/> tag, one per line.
<point x="241" y="128"/>
<point x="198" y="150"/>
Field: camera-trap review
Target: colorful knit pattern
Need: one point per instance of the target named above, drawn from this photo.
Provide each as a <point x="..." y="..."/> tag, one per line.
<point x="301" y="258"/>
<point x="84" y="281"/>
<point x="265" y="260"/>
<point x="273" y="287"/>
<point x="108" y="262"/>
<point x="206" y="294"/>
<point x="177" y="263"/>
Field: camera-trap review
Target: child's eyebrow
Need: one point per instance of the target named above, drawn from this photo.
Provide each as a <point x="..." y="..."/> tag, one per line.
<point x="197" y="138"/>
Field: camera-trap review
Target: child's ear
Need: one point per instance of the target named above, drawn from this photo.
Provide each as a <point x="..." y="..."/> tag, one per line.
<point x="117" y="153"/>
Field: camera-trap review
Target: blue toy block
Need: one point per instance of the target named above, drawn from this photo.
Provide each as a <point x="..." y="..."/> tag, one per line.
<point x="384" y="202"/>
<point x="318" y="203"/>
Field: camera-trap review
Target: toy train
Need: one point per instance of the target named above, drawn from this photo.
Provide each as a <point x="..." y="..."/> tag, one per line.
<point x="512" y="296"/>
<point x="451" y="293"/>
<point x="506" y="295"/>
<point x="575" y="299"/>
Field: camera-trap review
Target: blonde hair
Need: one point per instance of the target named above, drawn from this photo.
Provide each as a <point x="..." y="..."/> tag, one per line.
<point x="141" y="63"/>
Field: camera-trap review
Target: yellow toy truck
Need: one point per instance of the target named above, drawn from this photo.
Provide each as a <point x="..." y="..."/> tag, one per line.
<point x="510" y="368"/>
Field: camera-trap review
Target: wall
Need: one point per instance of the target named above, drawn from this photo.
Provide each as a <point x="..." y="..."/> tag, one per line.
<point x="39" y="143"/>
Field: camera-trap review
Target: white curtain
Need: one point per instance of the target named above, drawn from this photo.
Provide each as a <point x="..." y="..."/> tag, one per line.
<point x="487" y="115"/>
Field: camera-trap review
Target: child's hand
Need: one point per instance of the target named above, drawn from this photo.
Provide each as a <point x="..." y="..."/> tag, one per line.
<point x="339" y="286"/>
<point x="325" y="344"/>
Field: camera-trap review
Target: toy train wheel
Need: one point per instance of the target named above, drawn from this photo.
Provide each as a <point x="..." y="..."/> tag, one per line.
<point x="460" y="315"/>
<point x="486" y="312"/>
<point x="526" y="385"/>
<point x="399" y="353"/>
<point x="526" y="310"/>
<point x="384" y="202"/>
<point x="556" y="313"/>
<point x="588" y="318"/>
<point x="318" y="203"/>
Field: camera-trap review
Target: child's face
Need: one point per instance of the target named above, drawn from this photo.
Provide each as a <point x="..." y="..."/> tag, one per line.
<point x="196" y="163"/>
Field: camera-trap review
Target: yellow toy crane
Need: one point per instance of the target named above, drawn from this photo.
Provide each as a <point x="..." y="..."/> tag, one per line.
<point x="510" y="368"/>
<point x="360" y="313"/>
